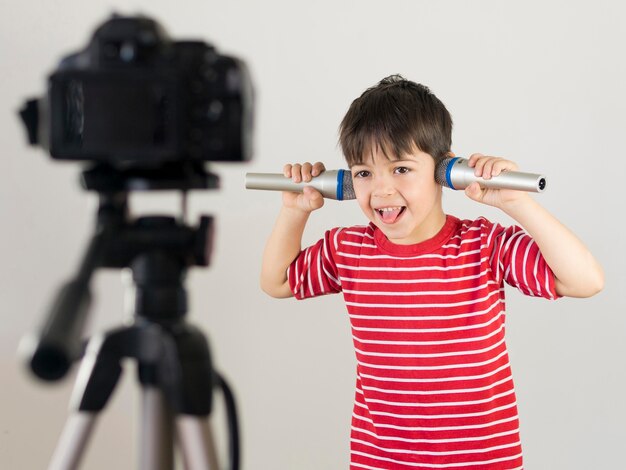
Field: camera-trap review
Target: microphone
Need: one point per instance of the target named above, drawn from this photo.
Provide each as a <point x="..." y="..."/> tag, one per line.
<point x="332" y="184"/>
<point x="450" y="172"/>
<point x="455" y="173"/>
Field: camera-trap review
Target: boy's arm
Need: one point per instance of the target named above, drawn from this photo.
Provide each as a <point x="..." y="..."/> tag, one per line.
<point x="284" y="243"/>
<point x="576" y="271"/>
<point x="283" y="246"/>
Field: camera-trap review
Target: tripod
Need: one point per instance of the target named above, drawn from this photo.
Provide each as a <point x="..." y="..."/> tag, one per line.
<point x="173" y="357"/>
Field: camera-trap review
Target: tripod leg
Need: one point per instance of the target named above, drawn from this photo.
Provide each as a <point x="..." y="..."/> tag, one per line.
<point x="96" y="379"/>
<point x="156" y="446"/>
<point x="73" y="441"/>
<point x="196" y="442"/>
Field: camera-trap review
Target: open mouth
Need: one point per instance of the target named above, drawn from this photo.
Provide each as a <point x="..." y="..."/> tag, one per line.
<point x="390" y="214"/>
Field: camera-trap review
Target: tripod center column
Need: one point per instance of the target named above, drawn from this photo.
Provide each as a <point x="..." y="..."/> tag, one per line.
<point x="159" y="268"/>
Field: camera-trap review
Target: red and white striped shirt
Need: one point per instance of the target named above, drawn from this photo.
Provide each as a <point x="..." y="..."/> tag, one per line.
<point x="434" y="386"/>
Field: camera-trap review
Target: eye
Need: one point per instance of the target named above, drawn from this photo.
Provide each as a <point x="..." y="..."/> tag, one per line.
<point x="361" y="174"/>
<point x="401" y="170"/>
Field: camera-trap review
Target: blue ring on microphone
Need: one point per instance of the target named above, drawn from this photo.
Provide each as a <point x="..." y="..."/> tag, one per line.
<point x="449" y="170"/>
<point x="340" y="185"/>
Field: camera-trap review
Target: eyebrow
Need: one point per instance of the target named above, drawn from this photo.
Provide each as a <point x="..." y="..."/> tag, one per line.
<point x="389" y="162"/>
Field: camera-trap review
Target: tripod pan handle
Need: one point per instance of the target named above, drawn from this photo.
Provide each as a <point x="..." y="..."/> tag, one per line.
<point x="59" y="341"/>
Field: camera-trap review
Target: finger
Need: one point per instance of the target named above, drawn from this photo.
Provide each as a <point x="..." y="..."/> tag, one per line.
<point x="488" y="167"/>
<point x="474" y="192"/>
<point x="473" y="158"/>
<point x="312" y="198"/>
<point x="306" y="171"/>
<point x="296" y="172"/>
<point x="287" y="170"/>
<point x="503" y="165"/>
<point x="495" y="166"/>
<point x="318" y="168"/>
<point x="479" y="164"/>
<point x="498" y="166"/>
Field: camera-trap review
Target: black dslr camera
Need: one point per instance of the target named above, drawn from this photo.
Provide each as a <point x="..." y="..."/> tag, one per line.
<point x="133" y="98"/>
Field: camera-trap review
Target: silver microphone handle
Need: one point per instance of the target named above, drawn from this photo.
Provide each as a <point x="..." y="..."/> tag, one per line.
<point x="461" y="176"/>
<point x="326" y="183"/>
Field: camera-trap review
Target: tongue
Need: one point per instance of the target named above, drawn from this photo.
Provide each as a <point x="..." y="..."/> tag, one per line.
<point x="389" y="217"/>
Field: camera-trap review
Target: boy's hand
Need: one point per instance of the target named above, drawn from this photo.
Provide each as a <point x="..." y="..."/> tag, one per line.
<point x="310" y="199"/>
<point x="488" y="167"/>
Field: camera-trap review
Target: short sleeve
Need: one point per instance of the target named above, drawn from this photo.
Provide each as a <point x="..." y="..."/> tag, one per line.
<point x="314" y="271"/>
<point x="516" y="259"/>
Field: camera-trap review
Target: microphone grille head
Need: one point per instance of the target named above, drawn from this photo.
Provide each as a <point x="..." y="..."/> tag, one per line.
<point x="348" y="188"/>
<point x="441" y="169"/>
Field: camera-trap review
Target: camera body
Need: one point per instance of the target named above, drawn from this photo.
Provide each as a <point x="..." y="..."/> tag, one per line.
<point x="133" y="98"/>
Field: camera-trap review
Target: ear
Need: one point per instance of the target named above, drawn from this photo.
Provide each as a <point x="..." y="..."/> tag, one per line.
<point x="451" y="154"/>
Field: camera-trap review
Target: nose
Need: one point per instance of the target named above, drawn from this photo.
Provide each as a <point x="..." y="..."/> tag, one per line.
<point x="383" y="185"/>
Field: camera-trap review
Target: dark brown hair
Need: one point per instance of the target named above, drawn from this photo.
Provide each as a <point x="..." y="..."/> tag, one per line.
<point x="396" y="116"/>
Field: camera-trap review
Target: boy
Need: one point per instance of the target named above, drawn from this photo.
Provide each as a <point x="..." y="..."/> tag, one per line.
<point x="424" y="290"/>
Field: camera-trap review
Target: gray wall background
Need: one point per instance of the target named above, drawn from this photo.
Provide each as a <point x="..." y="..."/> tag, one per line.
<point x="539" y="82"/>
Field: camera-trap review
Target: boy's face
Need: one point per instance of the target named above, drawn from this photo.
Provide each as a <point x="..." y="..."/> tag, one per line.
<point x="400" y="196"/>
